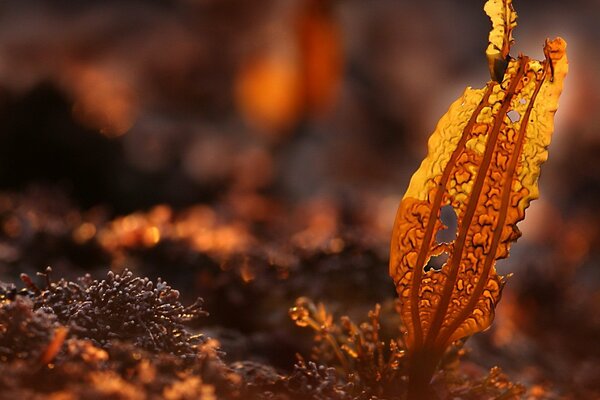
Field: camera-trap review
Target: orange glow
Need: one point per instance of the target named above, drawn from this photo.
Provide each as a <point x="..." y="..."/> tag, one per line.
<point x="301" y="76"/>
<point x="84" y="232"/>
<point x="103" y="99"/>
<point x="151" y="236"/>
<point x="246" y="272"/>
<point x="60" y="334"/>
<point x="320" y="44"/>
<point x="322" y="226"/>
<point x="268" y="91"/>
<point x="198" y="225"/>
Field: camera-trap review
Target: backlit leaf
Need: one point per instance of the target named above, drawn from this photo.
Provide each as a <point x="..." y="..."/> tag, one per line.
<point x="484" y="162"/>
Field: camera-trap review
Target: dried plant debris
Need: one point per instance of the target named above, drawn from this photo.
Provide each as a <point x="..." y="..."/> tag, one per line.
<point x="51" y="344"/>
<point x="84" y="371"/>
<point x="22" y="329"/>
<point x="122" y="337"/>
<point x="363" y="359"/>
<point x="317" y="382"/>
<point x="483" y="163"/>
<point x="76" y="340"/>
<point x="358" y="361"/>
<point x="126" y="308"/>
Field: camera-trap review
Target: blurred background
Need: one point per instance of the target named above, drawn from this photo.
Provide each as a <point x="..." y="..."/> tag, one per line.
<point x="255" y="151"/>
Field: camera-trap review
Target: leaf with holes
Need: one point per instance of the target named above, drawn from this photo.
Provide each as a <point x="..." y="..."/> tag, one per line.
<point x="483" y="165"/>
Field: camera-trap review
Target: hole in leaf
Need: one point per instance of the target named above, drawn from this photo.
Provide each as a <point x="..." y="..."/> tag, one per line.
<point x="436" y="262"/>
<point x="523" y="101"/>
<point x="514" y="116"/>
<point x="449" y="219"/>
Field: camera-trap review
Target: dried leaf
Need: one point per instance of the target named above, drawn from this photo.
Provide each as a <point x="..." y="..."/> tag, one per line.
<point x="484" y="162"/>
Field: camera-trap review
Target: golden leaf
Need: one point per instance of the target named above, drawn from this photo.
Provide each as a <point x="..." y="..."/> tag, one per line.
<point x="504" y="20"/>
<point x="484" y="162"/>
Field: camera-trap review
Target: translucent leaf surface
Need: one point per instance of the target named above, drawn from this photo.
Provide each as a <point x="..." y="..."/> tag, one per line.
<point x="484" y="162"/>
